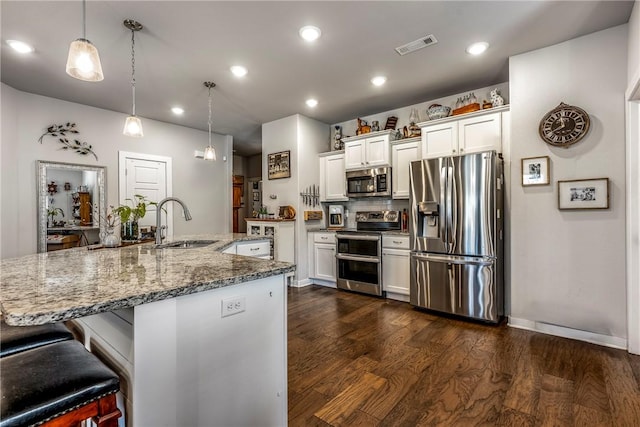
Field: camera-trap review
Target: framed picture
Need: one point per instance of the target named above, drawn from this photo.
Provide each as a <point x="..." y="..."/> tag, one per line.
<point x="583" y="194"/>
<point x="535" y="171"/>
<point x="256" y="196"/>
<point x="279" y="165"/>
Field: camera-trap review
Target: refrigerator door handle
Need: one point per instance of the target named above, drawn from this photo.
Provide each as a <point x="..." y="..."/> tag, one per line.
<point x="442" y="217"/>
<point x="450" y="207"/>
<point x="453" y="207"/>
<point x="454" y="259"/>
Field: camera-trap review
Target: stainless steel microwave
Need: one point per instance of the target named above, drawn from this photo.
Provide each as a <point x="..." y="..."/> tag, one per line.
<point x="369" y="182"/>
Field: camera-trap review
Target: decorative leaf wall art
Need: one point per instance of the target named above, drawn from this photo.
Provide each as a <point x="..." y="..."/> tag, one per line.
<point x="61" y="131"/>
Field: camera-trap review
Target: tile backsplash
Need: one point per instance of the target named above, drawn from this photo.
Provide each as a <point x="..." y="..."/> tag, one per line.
<point x="367" y="204"/>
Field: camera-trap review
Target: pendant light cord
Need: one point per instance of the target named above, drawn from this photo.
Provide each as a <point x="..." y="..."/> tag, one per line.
<point x="133" y="69"/>
<point x="84" y="19"/>
<point x="209" y="116"/>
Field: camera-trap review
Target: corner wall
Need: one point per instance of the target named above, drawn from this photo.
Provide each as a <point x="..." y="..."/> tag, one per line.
<point x="204" y="186"/>
<point x="568" y="267"/>
<point x="305" y="138"/>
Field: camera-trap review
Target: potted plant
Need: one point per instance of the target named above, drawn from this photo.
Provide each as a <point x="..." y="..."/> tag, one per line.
<point x="129" y="213"/>
<point x="51" y="214"/>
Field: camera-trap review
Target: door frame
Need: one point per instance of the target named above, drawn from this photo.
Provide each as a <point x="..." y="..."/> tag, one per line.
<point x="122" y="189"/>
<point x="632" y="98"/>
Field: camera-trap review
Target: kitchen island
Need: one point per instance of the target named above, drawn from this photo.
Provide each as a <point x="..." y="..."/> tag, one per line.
<point x="198" y="336"/>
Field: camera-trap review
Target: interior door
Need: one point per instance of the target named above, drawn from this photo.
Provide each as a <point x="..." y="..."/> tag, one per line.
<point x="148" y="176"/>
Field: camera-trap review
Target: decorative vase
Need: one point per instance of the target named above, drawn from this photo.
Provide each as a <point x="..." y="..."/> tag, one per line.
<point x="109" y="238"/>
<point x="129" y="231"/>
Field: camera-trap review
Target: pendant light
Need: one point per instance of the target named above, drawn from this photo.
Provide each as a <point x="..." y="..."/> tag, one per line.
<point x="210" y="152"/>
<point x="83" y="62"/>
<point x="133" y="125"/>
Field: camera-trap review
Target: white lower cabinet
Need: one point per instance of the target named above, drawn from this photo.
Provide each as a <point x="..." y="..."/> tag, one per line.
<point x="395" y="266"/>
<point x="255" y="248"/>
<point x="281" y="231"/>
<point x="322" y="253"/>
<point x="259" y="249"/>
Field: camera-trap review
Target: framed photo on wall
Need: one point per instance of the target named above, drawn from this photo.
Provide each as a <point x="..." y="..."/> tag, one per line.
<point x="583" y="194"/>
<point x="279" y="165"/>
<point x="535" y="171"/>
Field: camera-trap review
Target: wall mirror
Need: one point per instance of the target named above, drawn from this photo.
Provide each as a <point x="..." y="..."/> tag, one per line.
<point x="71" y="203"/>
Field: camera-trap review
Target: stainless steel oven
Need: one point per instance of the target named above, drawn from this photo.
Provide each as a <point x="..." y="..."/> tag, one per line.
<point x="359" y="262"/>
<point x="359" y="252"/>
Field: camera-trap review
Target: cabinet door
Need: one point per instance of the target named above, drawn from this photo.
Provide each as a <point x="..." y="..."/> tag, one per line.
<point x="354" y="155"/>
<point x="325" y="261"/>
<point x="440" y="140"/>
<point x="395" y="271"/>
<point x="253" y="229"/>
<point x="332" y="178"/>
<point x="480" y="134"/>
<point x="401" y="156"/>
<point x="377" y="151"/>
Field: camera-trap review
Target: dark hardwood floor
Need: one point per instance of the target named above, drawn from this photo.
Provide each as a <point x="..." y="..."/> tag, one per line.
<point x="356" y="360"/>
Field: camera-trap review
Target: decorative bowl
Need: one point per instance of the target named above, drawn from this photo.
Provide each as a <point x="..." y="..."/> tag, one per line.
<point x="437" y="111"/>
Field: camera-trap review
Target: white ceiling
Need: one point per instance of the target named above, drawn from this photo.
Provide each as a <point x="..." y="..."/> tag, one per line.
<point x="185" y="43"/>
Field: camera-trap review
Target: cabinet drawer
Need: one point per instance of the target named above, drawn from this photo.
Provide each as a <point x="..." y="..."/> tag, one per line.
<point x="395" y="241"/>
<point x="257" y="249"/>
<point x="324" y="237"/>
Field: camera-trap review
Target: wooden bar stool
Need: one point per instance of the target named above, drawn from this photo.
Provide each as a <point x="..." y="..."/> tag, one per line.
<point x="14" y="339"/>
<point x="57" y="385"/>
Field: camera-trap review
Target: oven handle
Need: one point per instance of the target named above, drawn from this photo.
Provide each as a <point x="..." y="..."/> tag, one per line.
<point x="358" y="258"/>
<point x="354" y="237"/>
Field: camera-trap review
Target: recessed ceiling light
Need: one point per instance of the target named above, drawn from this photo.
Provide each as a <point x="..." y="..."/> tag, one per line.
<point x="239" y="71"/>
<point x="177" y="111"/>
<point x="311" y="102"/>
<point x="379" y="80"/>
<point x="477" y="48"/>
<point x="310" y="33"/>
<point x="19" y="46"/>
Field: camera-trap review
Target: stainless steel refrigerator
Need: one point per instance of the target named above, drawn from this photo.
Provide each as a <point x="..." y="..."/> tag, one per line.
<point x="456" y="229"/>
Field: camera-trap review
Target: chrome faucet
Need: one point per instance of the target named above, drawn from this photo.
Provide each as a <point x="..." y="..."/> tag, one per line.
<point x="187" y="215"/>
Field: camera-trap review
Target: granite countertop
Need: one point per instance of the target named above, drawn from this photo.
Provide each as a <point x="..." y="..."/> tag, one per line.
<point x="62" y="285"/>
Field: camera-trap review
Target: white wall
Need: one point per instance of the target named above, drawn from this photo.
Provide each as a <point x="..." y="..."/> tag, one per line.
<point x="305" y="138"/>
<point x="204" y="186"/>
<point x="633" y="181"/>
<point x="568" y="267"/>
<point x="633" y="46"/>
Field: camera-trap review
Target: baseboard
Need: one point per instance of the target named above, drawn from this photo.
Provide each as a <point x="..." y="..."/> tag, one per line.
<point x="565" y="332"/>
<point x="327" y="283"/>
<point x="302" y="283"/>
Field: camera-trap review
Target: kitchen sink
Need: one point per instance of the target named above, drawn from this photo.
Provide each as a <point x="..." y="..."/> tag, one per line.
<point x="186" y="244"/>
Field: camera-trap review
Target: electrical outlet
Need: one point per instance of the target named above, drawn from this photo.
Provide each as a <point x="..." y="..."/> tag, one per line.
<point x="231" y="306"/>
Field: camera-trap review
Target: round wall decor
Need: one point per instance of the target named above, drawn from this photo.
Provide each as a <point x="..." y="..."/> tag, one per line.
<point x="564" y="125"/>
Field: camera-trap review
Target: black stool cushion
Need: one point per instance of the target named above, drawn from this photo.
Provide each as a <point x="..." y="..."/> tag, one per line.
<point x="40" y="384"/>
<point x="14" y="339"/>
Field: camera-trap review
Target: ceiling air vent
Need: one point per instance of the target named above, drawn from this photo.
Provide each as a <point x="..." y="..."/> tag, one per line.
<point x="417" y="44"/>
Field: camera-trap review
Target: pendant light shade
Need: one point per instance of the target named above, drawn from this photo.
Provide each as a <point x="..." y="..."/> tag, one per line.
<point x="133" y="127"/>
<point x="133" y="124"/>
<point x="210" y="152"/>
<point x="83" y="62"/>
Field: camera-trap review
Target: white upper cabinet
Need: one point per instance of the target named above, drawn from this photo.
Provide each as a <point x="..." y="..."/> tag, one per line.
<point x="333" y="181"/>
<point x="367" y="151"/>
<point x="482" y="131"/>
<point x="402" y="154"/>
<point x="355" y="155"/>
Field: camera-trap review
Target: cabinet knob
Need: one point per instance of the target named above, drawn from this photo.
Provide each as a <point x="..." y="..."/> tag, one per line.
<point x="461" y="150"/>
<point x="453" y="151"/>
